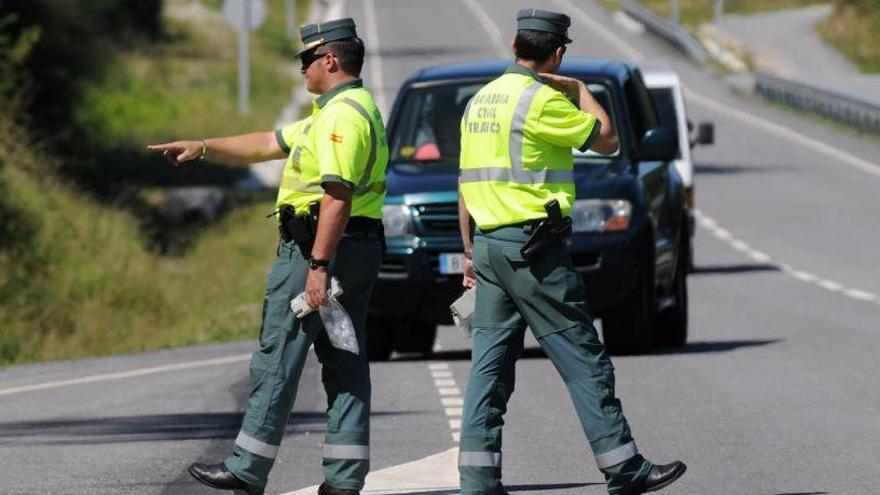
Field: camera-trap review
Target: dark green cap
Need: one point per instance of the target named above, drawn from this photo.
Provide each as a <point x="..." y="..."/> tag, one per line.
<point x="314" y="35"/>
<point x="542" y="20"/>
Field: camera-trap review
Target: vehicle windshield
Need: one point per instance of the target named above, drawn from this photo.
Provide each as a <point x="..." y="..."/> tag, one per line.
<point x="664" y="103"/>
<point x="428" y="126"/>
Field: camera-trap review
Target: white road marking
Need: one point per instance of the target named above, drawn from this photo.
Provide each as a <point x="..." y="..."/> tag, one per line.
<point x="126" y="374"/>
<point x="725" y="236"/>
<point x="376" y="59"/>
<point x="453" y="411"/>
<point x="436" y="474"/>
<point x="450" y="396"/>
<point x="489" y="26"/>
<point x="449" y="391"/>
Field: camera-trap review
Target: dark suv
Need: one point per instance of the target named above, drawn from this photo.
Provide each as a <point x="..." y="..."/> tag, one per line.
<point x="630" y="219"/>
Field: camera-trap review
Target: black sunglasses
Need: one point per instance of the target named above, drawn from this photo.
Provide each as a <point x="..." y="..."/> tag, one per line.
<point x="309" y="57"/>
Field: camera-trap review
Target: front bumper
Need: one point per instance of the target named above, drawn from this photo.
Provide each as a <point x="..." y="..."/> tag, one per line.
<point x="410" y="284"/>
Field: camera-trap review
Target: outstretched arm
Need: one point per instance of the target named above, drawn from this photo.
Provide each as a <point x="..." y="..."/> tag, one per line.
<point x="236" y="150"/>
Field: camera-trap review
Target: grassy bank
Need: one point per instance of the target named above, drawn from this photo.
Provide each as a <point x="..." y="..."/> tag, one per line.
<point x="696" y="12"/>
<point x="77" y="280"/>
<point x="76" y="276"/>
<point x="854" y="29"/>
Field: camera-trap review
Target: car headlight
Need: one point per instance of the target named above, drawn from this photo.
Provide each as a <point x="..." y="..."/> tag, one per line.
<point x="397" y="220"/>
<point x="600" y="215"/>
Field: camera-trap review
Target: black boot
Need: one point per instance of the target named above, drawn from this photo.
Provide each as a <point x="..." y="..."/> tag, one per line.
<point x="660" y="476"/>
<point x="217" y="476"/>
<point x="326" y="489"/>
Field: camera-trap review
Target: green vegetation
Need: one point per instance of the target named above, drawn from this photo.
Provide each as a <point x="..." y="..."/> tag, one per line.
<point x="77" y="277"/>
<point x="76" y="280"/>
<point x="854" y="29"/>
<point x="696" y="12"/>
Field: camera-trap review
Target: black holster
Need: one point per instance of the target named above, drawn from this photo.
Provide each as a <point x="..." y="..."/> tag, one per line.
<point x="547" y="233"/>
<point x="299" y="229"/>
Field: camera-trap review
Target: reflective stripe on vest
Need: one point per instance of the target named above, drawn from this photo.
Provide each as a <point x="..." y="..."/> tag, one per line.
<point x="480" y="459"/>
<point x="614" y="457"/>
<point x="336" y="451"/>
<point x="363" y="186"/>
<point x="516" y="173"/>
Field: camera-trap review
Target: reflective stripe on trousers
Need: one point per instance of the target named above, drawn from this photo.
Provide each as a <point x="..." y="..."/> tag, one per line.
<point x="614" y="457"/>
<point x="480" y="459"/>
<point x="255" y="446"/>
<point x="334" y="451"/>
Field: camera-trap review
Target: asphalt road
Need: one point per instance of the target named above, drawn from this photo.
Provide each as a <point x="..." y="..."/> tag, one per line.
<point x="775" y="395"/>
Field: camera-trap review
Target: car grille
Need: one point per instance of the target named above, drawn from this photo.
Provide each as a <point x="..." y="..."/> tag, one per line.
<point x="438" y="219"/>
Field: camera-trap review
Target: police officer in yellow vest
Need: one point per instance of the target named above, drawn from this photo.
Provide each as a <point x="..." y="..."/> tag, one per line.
<point x="516" y="183"/>
<point x="330" y="204"/>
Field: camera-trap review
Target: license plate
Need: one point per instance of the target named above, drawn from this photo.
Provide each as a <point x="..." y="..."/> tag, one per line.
<point x="451" y="263"/>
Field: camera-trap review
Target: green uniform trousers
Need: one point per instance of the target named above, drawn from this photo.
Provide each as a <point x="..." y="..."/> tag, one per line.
<point x="547" y="295"/>
<point x="276" y="367"/>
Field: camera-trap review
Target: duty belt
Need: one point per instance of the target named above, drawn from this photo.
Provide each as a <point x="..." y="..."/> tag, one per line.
<point x="302" y="228"/>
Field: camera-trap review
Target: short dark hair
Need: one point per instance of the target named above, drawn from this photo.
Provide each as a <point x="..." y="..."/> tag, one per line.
<point x="536" y="46"/>
<point x="350" y="53"/>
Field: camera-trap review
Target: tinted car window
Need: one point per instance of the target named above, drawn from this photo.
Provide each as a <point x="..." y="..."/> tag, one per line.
<point x="428" y="124"/>
<point x="664" y="103"/>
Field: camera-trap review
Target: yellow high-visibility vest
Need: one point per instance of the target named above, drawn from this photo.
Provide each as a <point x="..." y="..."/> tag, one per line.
<point x="343" y="141"/>
<point x="517" y="135"/>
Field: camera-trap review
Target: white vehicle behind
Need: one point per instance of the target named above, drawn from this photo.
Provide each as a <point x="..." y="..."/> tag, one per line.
<point x="665" y="88"/>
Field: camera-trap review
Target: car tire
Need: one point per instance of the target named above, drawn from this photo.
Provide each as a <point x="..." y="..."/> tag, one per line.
<point x="628" y="328"/>
<point x="380" y="338"/>
<point x="672" y="322"/>
<point x="415" y="335"/>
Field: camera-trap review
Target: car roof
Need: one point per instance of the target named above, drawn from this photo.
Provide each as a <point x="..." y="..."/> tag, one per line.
<point x="582" y="66"/>
<point x="656" y="77"/>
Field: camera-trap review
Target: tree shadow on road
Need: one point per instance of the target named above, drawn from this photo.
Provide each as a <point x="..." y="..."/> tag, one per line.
<point x="517" y="488"/>
<point x="152" y="428"/>
<point x="734" y="269"/>
<point x="731" y="169"/>
<point x="538" y="353"/>
<point x="715" y="346"/>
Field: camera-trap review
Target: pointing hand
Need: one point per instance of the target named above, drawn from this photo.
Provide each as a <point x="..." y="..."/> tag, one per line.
<point x="178" y="151"/>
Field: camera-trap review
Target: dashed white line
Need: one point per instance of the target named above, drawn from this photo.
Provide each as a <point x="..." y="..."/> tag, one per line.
<point x="450" y="397"/>
<point x="725" y="236"/>
<point x="452" y="401"/>
<point x="448" y="391"/>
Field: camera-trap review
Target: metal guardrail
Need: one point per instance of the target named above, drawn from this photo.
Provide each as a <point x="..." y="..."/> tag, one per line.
<point x="844" y="108"/>
<point x="666" y="29"/>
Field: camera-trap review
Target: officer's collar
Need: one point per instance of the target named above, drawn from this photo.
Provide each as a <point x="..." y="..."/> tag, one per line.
<point x="516" y="68"/>
<point x="335" y="90"/>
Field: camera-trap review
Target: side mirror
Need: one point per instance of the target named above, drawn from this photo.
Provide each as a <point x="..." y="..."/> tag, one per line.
<point x="705" y="134"/>
<point x="660" y="143"/>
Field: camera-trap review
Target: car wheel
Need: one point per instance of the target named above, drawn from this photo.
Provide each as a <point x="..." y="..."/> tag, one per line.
<point x="414" y="335"/>
<point x="629" y="327"/>
<point x="380" y="338"/>
<point x="672" y="322"/>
